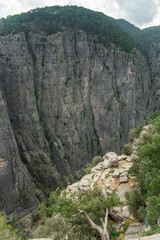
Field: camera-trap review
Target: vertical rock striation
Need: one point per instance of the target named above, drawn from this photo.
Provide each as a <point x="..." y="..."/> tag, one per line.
<point x="68" y="98"/>
<point x="16" y="188"/>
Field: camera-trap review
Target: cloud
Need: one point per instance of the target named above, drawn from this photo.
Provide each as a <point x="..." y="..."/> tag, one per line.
<point x="138" y="11"/>
<point x="33" y="3"/>
<point x="12" y="7"/>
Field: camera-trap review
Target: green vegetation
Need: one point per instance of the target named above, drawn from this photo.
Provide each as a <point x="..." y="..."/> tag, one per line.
<point x="102" y="28"/>
<point x="94" y="162"/>
<point x="6" y="230"/>
<point x="151" y="232"/>
<point x="49" y="140"/>
<point x="55" y="227"/>
<point x="127" y="149"/>
<point x="54" y="19"/>
<point x="146" y="137"/>
<point x="144" y="198"/>
<point x="92" y="202"/>
<point x="154" y="115"/>
<point x="134" y="133"/>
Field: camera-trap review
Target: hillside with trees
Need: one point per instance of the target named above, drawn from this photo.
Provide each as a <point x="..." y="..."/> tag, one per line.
<point x="54" y="19"/>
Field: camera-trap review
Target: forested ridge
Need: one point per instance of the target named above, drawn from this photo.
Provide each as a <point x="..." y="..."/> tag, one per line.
<point x="54" y="19"/>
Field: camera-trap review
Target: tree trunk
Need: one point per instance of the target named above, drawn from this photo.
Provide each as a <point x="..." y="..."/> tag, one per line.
<point x="103" y="232"/>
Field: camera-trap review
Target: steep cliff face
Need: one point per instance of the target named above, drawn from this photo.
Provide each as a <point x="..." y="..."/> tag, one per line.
<point x="68" y="98"/>
<point x="16" y="188"/>
<point x="153" y="57"/>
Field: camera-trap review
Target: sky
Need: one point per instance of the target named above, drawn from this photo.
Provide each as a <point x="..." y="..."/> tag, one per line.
<point x="141" y="13"/>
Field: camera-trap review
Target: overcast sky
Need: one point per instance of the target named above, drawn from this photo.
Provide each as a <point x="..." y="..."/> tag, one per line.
<point x="142" y="13"/>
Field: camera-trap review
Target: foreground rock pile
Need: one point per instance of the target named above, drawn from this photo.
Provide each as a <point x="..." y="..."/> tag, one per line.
<point x="112" y="174"/>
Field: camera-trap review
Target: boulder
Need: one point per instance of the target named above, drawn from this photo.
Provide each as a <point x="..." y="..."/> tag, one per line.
<point x="124" y="174"/>
<point x="122" y="157"/>
<point x="110" y="155"/>
<point x="123" y="179"/>
<point x="116" y="173"/>
<point x="125" y="212"/>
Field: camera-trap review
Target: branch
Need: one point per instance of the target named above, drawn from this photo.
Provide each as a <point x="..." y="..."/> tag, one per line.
<point x="93" y="225"/>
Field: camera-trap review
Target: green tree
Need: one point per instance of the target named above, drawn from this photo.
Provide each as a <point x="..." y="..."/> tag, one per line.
<point x="144" y="198"/>
<point x="52" y="228"/>
<point x="6" y="230"/>
<point x="85" y="211"/>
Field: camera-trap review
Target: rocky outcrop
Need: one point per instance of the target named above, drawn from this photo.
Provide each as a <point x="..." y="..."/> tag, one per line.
<point x="112" y="174"/>
<point x="68" y="98"/>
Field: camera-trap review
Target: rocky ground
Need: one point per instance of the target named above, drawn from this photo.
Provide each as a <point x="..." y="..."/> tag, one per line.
<point x="153" y="237"/>
<point x="112" y="175"/>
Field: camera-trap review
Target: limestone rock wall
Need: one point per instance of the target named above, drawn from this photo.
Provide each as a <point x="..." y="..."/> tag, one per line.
<point x="68" y="98"/>
<point x="17" y="192"/>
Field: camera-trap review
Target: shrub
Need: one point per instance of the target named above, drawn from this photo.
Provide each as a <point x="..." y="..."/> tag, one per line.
<point x="154" y="115"/>
<point x="55" y="227"/>
<point x="146" y="137"/>
<point x="6" y="230"/>
<point x="94" y="162"/>
<point x="93" y="202"/>
<point x="156" y="123"/>
<point x="134" y="201"/>
<point x="97" y="160"/>
<point x="153" y="211"/>
<point x="135" y="132"/>
<point x="127" y="149"/>
<point x="151" y="232"/>
<point x="144" y="201"/>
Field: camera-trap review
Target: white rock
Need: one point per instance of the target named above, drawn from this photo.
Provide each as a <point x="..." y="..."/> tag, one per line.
<point x="125" y="212"/>
<point x="107" y="185"/>
<point x="131" y="236"/>
<point x="105" y="174"/>
<point x="116" y="174"/>
<point x="73" y="188"/>
<point x="84" y="188"/>
<point x="123" y="179"/>
<point x="122" y="188"/>
<point x="117" y="209"/>
<point x="97" y="175"/>
<point x="105" y="164"/>
<point x="134" y="228"/>
<point x="111" y="158"/>
<point x="147" y="127"/>
<point x="88" y="177"/>
<point x="122" y="157"/>
<point x="110" y="155"/>
<point x="124" y="174"/>
<point x="121" y="170"/>
<point x="92" y="185"/>
<point x="96" y="169"/>
<point x="132" y="157"/>
<point x="84" y="183"/>
<point x="113" y="162"/>
<point x="108" y="191"/>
